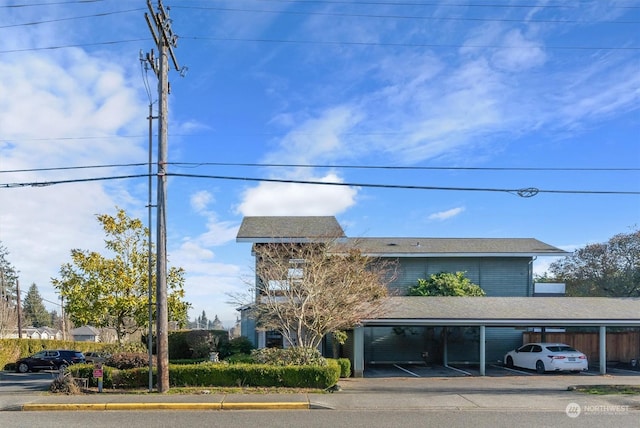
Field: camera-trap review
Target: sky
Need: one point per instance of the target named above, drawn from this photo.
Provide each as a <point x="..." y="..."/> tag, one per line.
<point x="465" y="118"/>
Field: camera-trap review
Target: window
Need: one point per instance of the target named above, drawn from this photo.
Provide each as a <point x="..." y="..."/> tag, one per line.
<point x="273" y="339"/>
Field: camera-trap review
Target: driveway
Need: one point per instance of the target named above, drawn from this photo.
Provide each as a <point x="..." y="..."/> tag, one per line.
<point x="25" y="383"/>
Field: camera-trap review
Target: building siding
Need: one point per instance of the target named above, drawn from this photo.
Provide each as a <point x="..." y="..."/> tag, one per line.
<point x="509" y="276"/>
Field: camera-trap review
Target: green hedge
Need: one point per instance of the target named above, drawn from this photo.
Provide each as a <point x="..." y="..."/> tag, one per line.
<point x="216" y="374"/>
<point x="345" y="367"/>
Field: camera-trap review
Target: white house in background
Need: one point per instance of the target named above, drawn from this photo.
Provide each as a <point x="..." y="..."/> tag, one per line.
<point x="38" y="333"/>
<point x="86" y="333"/>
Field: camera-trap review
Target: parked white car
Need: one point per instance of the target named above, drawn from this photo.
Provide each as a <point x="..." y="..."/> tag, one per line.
<point x="547" y="357"/>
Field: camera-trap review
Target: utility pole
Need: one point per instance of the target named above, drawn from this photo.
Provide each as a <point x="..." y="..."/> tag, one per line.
<point x="19" y="310"/>
<point x="160" y="27"/>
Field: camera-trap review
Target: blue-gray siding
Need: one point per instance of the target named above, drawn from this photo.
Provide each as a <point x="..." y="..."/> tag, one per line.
<point x="497" y="277"/>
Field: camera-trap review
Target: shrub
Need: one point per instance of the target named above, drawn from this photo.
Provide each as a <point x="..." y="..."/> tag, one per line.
<point x="254" y="375"/>
<point x="128" y="360"/>
<point x="240" y="358"/>
<point x="345" y="366"/>
<point x="219" y="374"/>
<point x="296" y="356"/>
<point x="237" y="345"/>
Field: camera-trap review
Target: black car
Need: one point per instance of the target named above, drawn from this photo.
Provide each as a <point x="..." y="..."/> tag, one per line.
<point x="51" y="359"/>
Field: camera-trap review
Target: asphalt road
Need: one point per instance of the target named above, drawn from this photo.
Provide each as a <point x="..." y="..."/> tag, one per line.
<point x="25" y="383"/>
<point x="316" y="418"/>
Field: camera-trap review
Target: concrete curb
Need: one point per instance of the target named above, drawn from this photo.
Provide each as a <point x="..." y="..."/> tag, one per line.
<point x="33" y="407"/>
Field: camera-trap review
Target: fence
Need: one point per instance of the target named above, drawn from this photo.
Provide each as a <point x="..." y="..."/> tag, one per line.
<point x="622" y="346"/>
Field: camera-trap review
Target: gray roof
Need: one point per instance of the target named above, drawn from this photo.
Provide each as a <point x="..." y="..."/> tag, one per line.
<point x="455" y="247"/>
<point x="308" y="228"/>
<point x="85" y="330"/>
<point x="510" y="311"/>
<point x="288" y="229"/>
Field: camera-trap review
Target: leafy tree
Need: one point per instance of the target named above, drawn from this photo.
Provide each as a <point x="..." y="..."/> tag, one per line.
<point x="609" y="269"/>
<point x="113" y="292"/>
<point x="446" y="284"/>
<point x="33" y="310"/>
<point x="306" y="291"/>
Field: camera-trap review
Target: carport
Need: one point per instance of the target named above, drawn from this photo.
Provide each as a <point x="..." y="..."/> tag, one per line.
<point x="519" y="312"/>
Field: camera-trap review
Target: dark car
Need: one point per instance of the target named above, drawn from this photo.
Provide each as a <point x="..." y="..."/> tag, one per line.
<point x="51" y="359"/>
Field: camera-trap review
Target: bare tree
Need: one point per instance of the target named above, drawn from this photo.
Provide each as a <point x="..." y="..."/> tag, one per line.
<point x="306" y="291"/>
<point x="8" y="319"/>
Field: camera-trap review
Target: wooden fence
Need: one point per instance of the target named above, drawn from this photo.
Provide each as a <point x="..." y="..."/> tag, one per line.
<point x="621" y="346"/>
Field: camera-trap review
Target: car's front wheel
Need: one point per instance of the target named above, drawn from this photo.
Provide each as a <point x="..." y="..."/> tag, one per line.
<point x="23" y="368"/>
<point x="540" y="367"/>
<point x="510" y="362"/>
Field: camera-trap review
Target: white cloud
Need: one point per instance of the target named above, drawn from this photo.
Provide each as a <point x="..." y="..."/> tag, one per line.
<point x="200" y="200"/>
<point x="298" y="199"/>
<point x="528" y="54"/>
<point x="445" y="215"/>
<point x="49" y="105"/>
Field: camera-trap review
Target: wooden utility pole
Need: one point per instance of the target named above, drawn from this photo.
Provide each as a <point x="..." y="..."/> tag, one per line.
<point x="160" y="27"/>
<point x="19" y="309"/>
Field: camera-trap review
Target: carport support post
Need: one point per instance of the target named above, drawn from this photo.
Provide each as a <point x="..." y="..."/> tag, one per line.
<point x="482" y="350"/>
<point x="445" y="350"/>
<point x="358" y="352"/>
<point x="603" y="350"/>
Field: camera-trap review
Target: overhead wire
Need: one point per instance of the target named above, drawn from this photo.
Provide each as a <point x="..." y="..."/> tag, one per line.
<point x="417" y="3"/>
<point x="333" y="166"/>
<point x="522" y="192"/>
<point x="416" y="17"/>
<point x="26" y="24"/>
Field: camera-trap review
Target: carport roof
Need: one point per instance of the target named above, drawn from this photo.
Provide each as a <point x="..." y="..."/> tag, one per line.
<point x="510" y="311"/>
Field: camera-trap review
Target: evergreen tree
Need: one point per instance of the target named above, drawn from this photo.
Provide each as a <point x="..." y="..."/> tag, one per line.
<point x="203" y="322"/>
<point x="34" y="311"/>
<point x="8" y="278"/>
<point x="56" y="320"/>
<point x="216" y="324"/>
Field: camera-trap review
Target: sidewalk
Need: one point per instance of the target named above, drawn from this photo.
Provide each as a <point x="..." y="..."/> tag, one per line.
<point x="469" y="393"/>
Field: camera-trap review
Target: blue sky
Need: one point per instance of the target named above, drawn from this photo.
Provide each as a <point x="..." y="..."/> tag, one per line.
<point x="494" y="95"/>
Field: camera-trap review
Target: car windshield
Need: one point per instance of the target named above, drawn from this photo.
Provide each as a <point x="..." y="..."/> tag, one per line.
<point x="558" y="348"/>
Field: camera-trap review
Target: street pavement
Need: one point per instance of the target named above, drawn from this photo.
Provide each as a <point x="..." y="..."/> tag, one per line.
<point x="552" y="392"/>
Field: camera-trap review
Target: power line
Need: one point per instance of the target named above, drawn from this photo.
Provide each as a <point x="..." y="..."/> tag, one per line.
<point x="49" y="4"/>
<point x="482" y="5"/>
<point x="451" y="168"/>
<point x="406" y="45"/>
<point x="334" y="166"/>
<point x="26" y="24"/>
<point x="522" y="192"/>
<point x="427" y="18"/>
<point x="76" y="180"/>
<point x="77" y="45"/>
<point x="64" y="168"/>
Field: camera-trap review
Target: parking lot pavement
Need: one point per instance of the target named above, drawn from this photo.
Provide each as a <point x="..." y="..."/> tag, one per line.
<point x="467" y="370"/>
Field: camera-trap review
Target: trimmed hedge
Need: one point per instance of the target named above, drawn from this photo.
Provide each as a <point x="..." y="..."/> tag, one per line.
<point x="216" y="374"/>
<point x="345" y="367"/>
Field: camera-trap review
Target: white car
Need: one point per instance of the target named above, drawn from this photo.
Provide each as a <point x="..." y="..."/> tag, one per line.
<point x="547" y="357"/>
